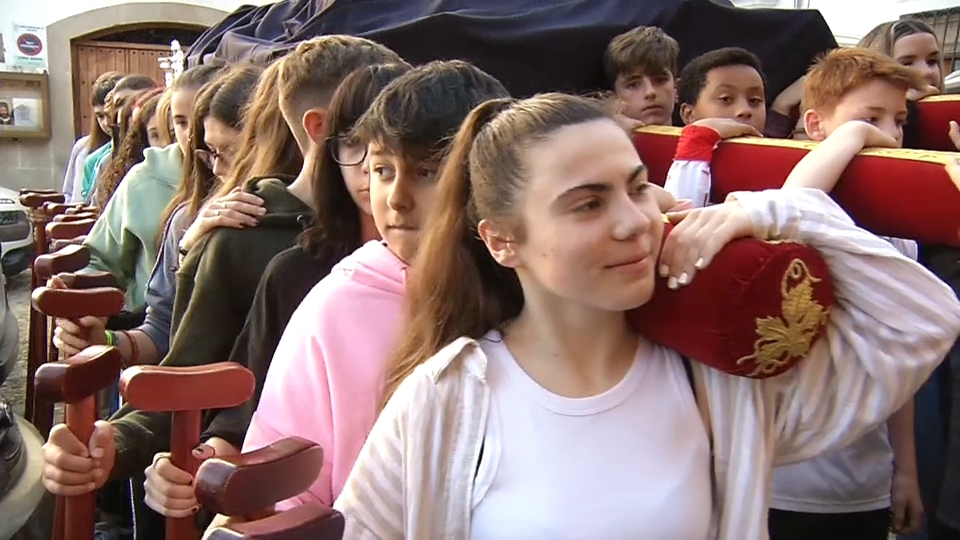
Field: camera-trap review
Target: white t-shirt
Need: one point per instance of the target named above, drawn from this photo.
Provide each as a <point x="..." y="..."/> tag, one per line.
<point x="619" y="465"/>
<point x="857" y="478"/>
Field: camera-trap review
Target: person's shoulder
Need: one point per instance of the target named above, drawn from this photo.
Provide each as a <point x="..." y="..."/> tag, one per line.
<point x="291" y="268"/>
<point x="160" y="171"/>
<point x="289" y="260"/>
<point x="444" y="380"/>
<point x="79" y="145"/>
<point x="331" y="293"/>
<point x="462" y="356"/>
<point x="94" y="156"/>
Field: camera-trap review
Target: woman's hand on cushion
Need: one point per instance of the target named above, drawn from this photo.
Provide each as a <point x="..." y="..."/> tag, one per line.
<point x="698" y="235"/>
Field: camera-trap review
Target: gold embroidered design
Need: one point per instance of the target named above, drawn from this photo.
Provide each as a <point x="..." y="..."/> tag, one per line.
<point x="940" y="97"/>
<point x="929" y="156"/>
<point x="782" y="339"/>
<point x="781" y="241"/>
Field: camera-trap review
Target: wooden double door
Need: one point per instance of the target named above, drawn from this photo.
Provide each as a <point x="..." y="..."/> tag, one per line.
<point x="91" y="58"/>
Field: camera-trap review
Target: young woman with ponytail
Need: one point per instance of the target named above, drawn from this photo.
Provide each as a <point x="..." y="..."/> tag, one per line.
<point x="521" y="399"/>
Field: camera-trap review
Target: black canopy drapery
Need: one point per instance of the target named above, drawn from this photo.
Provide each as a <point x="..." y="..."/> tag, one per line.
<point x="530" y="45"/>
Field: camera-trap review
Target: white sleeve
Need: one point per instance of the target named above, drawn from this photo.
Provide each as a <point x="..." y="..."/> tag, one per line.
<point x="891" y="324"/>
<point x="374" y="496"/>
<point x="70" y="174"/>
<point x="909" y="248"/>
<point x="689" y="180"/>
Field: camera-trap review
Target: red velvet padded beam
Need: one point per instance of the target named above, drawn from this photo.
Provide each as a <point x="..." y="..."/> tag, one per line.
<point x="933" y="121"/>
<point x="899" y="193"/>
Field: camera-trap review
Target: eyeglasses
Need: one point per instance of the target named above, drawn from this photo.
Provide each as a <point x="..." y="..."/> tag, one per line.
<point x="347" y="151"/>
<point x="210" y="158"/>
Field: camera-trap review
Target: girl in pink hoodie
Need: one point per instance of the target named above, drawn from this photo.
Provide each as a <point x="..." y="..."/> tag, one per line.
<point x="327" y="373"/>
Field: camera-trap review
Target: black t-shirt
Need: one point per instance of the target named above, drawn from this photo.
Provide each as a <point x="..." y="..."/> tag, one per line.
<point x="285" y="283"/>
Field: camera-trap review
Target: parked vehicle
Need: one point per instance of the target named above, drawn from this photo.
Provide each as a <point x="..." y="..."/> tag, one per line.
<point x="9" y="333"/>
<point x="16" y="235"/>
<point x="952" y="83"/>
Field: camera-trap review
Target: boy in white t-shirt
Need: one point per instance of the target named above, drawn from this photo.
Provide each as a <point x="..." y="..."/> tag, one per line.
<point x="870" y="487"/>
<point x="851" y="95"/>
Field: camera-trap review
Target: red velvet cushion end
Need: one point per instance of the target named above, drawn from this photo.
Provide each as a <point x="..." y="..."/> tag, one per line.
<point x="754" y="312"/>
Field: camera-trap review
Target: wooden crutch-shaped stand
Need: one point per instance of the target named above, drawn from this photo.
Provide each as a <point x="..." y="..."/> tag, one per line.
<point x="70" y="304"/>
<point x="64" y="230"/>
<point x="57" y="245"/>
<point x="57" y="212"/>
<point x="307" y="522"/>
<point x="92" y="280"/>
<point x="247" y="486"/>
<point x="53" y="209"/>
<point x="73" y="217"/>
<point x="43" y="267"/>
<point x="185" y="392"/>
<point x="81" y="209"/>
<point x="76" y="382"/>
<point x="37" y="333"/>
<point x="68" y="259"/>
<point x="71" y="258"/>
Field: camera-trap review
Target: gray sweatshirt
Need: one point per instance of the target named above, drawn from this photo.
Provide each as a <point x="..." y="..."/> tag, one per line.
<point x="161" y="289"/>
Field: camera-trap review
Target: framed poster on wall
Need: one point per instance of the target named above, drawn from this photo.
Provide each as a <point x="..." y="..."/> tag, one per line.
<point x="24" y="105"/>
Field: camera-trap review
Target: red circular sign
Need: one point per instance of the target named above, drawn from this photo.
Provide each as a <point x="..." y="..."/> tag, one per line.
<point x="29" y="44"/>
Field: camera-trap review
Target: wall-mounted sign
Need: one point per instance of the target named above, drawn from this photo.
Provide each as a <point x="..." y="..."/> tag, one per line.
<point x="29" y="47"/>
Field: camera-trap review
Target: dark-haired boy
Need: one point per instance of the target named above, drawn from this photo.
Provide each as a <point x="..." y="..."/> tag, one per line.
<point x="641" y="65"/>
<point x="725" y="83"/>
<point x="721" y="92"/>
